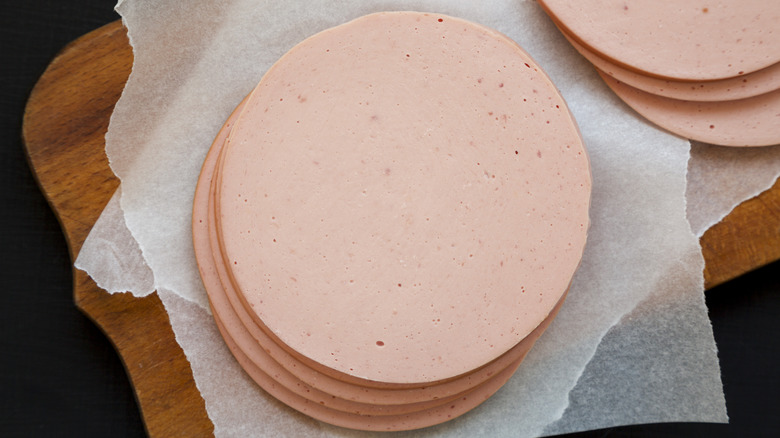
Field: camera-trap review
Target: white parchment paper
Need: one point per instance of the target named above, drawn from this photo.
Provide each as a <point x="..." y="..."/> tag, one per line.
<point x="111" y="255"/>
<point x="720" y="178"/>
<point x="635" y="317"/>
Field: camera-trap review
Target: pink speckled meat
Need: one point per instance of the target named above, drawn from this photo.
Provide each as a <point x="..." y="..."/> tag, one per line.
<point x="391" y="219"/>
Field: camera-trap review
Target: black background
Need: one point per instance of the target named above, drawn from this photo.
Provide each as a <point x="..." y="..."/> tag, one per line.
<point x="59" y="376"/>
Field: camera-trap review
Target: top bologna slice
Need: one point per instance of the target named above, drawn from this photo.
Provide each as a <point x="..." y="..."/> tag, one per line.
<point x="404" y="198"/>
<point x="677" y="39"/>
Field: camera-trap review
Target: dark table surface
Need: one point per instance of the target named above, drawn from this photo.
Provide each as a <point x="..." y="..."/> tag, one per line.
<point x="59" y="376"/>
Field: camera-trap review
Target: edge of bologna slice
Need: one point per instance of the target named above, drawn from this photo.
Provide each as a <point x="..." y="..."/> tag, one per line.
<point x="741" y="87"/>
<point x="754" y="121"/>
<point x="400" y="204"/>
<point x="685" y="40"/>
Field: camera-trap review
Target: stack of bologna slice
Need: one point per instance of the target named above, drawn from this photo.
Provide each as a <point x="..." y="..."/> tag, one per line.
<point x="391" y="219"/>
<point x="708" y="71"/>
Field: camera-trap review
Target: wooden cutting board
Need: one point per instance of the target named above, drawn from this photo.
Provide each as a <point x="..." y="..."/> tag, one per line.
<point x="65" y="122"/>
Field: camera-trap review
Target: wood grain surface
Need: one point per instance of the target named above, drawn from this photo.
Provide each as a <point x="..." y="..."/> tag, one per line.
<point x="65" y="122"/>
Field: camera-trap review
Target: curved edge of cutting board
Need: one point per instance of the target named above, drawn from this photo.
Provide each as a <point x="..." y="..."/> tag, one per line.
<point x="64" y="125"/>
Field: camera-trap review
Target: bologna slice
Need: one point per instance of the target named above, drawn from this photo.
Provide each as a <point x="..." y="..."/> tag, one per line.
<point x="404" y="198"/>
<point x="752" y="84"/>
<point x="396" y="191"/>
<point x="685" y="40"/>
<point x="391" y="219"/>
<point x="754" y="121"/>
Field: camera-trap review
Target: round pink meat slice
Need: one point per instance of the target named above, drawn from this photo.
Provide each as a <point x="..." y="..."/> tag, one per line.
<point x="686" y="40"/>
<point x="754" y="121"/>
<point x="404" y="198"/>
<point x="752" y="84"/>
